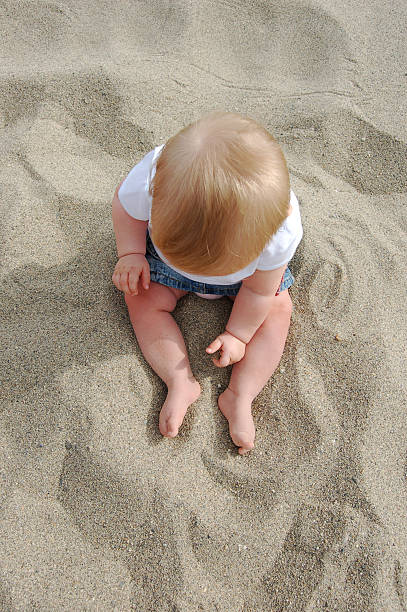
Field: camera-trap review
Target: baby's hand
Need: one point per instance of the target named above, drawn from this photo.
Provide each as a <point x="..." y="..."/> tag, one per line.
<point x="231" y="349"/>
<point x="129" y="270"/>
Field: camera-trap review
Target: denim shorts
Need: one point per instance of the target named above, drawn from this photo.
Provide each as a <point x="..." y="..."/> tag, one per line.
<point x="163" y="274"/>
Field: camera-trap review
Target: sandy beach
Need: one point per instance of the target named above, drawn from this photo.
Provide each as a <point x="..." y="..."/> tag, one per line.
<point x="98" y="512"/>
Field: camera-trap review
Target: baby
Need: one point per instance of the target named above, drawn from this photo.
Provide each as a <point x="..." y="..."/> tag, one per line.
<point x="210" y="212"/>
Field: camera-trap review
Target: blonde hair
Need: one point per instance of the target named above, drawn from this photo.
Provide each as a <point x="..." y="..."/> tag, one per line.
<point x="220" y="192"/>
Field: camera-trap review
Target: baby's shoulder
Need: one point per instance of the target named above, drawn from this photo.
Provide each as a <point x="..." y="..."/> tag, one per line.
<point x="292" y="225"/>
<point x="138" y="179"/>
<point x="280" y="249"/>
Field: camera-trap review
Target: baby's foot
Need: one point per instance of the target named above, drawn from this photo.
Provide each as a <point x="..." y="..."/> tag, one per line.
<point x="179" y="397"/>
<point x="238" y="412"/>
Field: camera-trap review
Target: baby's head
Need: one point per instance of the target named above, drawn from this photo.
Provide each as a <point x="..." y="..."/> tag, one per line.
<point x="220" y="192"/>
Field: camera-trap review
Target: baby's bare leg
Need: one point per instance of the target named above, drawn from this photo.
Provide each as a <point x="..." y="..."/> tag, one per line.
<point x="163" y="346"/>
<point x="263" y="354"/>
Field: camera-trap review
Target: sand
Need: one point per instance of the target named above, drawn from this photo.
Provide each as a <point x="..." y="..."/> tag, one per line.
<point x="98" y="512"/>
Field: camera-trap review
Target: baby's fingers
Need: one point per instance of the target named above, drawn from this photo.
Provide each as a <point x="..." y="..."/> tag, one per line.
<point x="124" y="282"/>
<point x="146" y="275"/>
<point x="214" y="346"/>
<point x="223" y="361"/>
<point x="133" y="282"/>
<point x="117" y="280"/>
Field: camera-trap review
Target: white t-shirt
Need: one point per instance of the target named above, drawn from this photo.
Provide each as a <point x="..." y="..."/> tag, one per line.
<point x="136" y="201"/>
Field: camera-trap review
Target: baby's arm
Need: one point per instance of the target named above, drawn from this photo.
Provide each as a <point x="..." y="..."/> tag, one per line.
<point x="250" y="309"/>
<point x="253" y="303"/>
<point x="130" y="232"/>
<point x="131" y="248"/>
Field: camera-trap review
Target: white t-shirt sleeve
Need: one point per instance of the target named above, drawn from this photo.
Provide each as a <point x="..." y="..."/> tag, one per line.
<point x="134" y="192"/>
<point x="285" y="241"/>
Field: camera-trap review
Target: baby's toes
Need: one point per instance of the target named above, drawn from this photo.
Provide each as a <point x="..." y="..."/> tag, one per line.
<point x="172" y="428"/>
<point x="244" y="440"/>
<point x="168" y="426"/>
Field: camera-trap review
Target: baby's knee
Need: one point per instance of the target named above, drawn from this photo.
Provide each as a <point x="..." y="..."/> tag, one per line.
<point x="157" y="297"/>
<point x="283" y="304"/>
